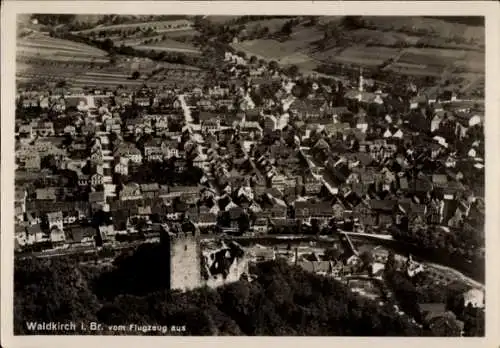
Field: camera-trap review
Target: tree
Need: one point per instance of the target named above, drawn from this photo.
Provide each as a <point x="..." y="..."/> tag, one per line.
<point x="135" y="75"/>
<point x="333" y="254"/>
<point x="273" y="65"/>
<point x="293" y="70"/>
<point x="366" y="257"/>
<point x="353" y="22"/>
<point x="243" y="223"/>
<point x="287" y="28"/>
<point x="61" y="84"/>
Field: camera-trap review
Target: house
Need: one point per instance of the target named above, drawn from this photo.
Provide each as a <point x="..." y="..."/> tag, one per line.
<point x="308" y="210"/>
<point x="30" y="103"/>
<point x="130" y="192"/>
<point x="143" y="101"/>
<point x="46" y="194"/>
<point x="26" y="131"/>
<point x="439" y="181"/>
<point x="121" y="167"/>
<point x="81" y="235"/>
<point x="150" y="191"/>
<point x="57" y="235"/>
<point x="417" y="102"/>
<point x="153" y="150"/>
<point x="43" y="129"/>
<point x="436" y="122"/>
<point x="383" y="210"/>
<point x="270" y="123"/>
<point x="129" y="151"/>
<point x="225" y="103"/>
<point x="34" y="234"/>
<point x="96" y="179"/>
<point x="306" y="109"/>
<point x="206" y="217"/>
<point x="32" y="162"/>
<point x="211" y="125"/>
<point x="170" y="148"/>
<point x="205" y="104"/>
<point x="312" y="185"/>
<point x="474" y="298"/>
<point x="55" y="219"/>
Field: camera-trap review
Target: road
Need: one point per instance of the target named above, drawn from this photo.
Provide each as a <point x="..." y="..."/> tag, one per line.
<point x="313" y="166"/>
<point x="186" y="110"/>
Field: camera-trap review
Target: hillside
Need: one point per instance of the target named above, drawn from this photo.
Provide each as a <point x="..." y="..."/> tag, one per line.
<point x="279" y="302"/>
<point x="444" y="49"/>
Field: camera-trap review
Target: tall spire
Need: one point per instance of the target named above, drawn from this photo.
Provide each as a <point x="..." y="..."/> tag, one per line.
<point x="361" y="82"/>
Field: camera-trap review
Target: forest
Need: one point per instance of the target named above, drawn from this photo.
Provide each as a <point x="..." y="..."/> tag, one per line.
<point x="281" y="300"/>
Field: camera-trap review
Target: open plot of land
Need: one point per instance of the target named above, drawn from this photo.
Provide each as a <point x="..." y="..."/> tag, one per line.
<point x="43" y="47"/>
<point x="469" y="61"/>
<point x="415" y="69"/>
<point x="440" y="27"/>
<point x="273" y="24"/>
<point x="359" y="55"/>
<point x="169" y="46"/>
<point x="265" y="49"/>
<point x="220" y="19"/>
<point x="387" y="38"/>
<point x="158" y="26"/>
<point x="140" y="39"/>
<point x="46" y="41"/>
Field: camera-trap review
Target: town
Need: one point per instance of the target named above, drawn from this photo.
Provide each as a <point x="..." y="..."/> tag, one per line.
<point x="334" y="173"/>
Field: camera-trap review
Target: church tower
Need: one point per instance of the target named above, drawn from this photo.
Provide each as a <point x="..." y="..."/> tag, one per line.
<point x="361" y="80"/>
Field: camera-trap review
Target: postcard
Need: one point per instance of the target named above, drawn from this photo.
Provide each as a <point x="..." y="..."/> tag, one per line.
<point x="270" y="170"/>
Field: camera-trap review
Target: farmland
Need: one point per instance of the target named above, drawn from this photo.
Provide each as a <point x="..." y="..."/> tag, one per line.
<point x="43" y="47"/>
<point x="434" y="26"/>
<point x="169" y="46"/>
<point x="82" y="74"/>
<point x="360" y="55"/>
<point x="435" y="61"/>
<point x="265" y="49"/>
<point x="158" y="26"/>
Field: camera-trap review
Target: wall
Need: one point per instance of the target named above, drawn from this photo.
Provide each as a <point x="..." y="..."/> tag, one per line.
<point x="237" y="268"/>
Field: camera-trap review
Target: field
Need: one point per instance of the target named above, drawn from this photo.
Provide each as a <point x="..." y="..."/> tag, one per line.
<point x="435" y="61"/>
<point x="359" y="55"/>
<point x="158" y="26"/>
<point x="440" y="27"/>
<point x="169" y="46"/>
<point x="265" y="49"/>
<point x="43" y="47"/>
<point x="81" y="74"/>
<point x="220" y="19"/>
<point x="274" y="24"/>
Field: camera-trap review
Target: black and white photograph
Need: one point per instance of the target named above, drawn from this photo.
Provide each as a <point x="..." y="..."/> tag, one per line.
<point x="248" y="175"/>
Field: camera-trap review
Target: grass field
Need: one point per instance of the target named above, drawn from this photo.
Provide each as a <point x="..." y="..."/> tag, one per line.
<point x="274" y="24"/>
<point x="442" y="28"/>
<point x="266" y="49"/>
<point x="435" y="59"/>
<point x="156" y="25"/>
<point x="368" y="56"/>
<point x="169" y="46"/>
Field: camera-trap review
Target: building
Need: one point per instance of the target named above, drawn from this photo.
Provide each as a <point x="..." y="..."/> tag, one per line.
<point x="183" y="254"/>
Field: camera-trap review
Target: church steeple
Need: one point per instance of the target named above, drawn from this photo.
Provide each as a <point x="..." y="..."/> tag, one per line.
<point x="361" y="81"/>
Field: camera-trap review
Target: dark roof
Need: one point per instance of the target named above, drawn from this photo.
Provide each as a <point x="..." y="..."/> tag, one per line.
<point x="384" y="205"/>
